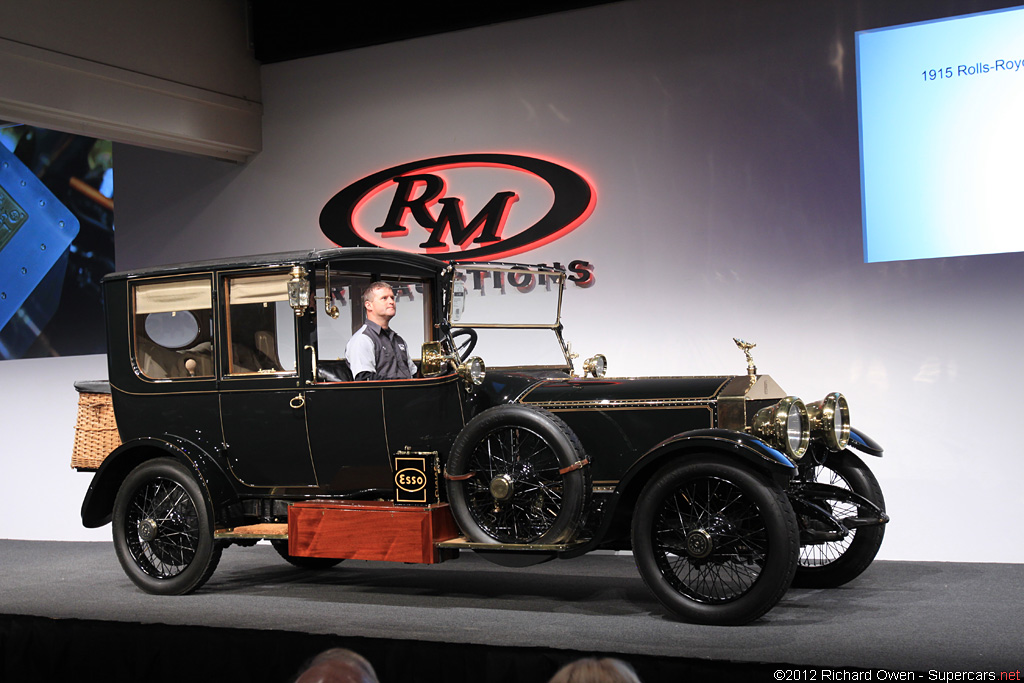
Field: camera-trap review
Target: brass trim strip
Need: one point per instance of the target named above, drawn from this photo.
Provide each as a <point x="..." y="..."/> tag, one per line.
<point x="309" y="440"/>
<point x="260" y="374"/>
<point x="546" y="382"/>
<point x="189" y="392"/>
<point x="625" y="404"/>
<point x="411" y="382"/>
<point x="508" y="326"/>
<point x="387" y="440"/>
<point x="504" y="267"/>
<point x="377" y="384"/>
<point x="463" y="543"/>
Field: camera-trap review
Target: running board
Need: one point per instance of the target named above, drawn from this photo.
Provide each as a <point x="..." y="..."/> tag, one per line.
<point x="276" y="532"/>
<point x="280" y="532"/>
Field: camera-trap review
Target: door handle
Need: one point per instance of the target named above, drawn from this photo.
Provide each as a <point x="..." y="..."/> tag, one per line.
<point x="312" y="354"/>
<point x="297" y="402"/>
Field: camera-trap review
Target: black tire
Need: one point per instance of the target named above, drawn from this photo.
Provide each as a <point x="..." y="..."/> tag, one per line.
<point x="831" y="564"/>
<point x="716" y="543"/>
<point x="520" y="488"/>
<point x="310" y="563"/>
<point x="163" y="530"/>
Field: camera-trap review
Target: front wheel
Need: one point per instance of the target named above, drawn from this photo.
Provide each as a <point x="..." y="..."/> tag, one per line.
<point x="833" y="563"/>
<point x="715" y="543"/>
<point x="163" y="532"/>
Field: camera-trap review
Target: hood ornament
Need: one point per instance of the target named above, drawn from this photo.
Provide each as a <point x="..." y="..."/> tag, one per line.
<point x="745" y="347"/>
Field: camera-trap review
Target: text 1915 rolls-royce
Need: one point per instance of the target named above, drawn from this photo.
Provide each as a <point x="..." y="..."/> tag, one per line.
<point x="238" y="419"/>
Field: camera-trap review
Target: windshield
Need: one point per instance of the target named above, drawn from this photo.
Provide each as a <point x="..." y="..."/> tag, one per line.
<point x="515" y="311"/>
<point x="506" y="296"/>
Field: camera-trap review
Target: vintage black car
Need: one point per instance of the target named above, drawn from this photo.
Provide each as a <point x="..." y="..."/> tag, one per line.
<point x="239" y="420"/>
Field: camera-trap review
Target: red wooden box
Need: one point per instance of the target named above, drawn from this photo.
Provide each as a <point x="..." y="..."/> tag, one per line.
<point x="370" y="530"/>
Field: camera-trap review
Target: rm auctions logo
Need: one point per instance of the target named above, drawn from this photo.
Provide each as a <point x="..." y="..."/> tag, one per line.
<point x="517" y="203"/>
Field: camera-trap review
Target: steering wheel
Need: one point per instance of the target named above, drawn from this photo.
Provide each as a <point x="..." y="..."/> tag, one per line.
<point x="464" y="349"/>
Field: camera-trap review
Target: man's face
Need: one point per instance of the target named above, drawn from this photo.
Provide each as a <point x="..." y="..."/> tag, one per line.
<point x="381" y="308"/>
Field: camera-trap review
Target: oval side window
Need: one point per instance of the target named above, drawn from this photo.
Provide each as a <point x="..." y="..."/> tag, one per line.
<point x="173" y="329"/>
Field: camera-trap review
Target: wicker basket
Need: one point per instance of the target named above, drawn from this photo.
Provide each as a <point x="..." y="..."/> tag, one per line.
<point x="95" y="431"/>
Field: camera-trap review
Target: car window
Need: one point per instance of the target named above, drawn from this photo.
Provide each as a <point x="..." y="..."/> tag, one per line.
<point x="260" y="325"/>
<point x="412" y="320"/>
<point x="173" y="333"/>
<point x="333" y="333"/>
<point x="519" y="348"/>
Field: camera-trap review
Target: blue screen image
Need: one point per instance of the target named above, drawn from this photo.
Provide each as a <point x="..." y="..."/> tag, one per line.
<point x="941" y="113"/>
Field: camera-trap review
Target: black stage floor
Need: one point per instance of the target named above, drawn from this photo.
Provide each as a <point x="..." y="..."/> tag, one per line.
<point x="68" y="611"/>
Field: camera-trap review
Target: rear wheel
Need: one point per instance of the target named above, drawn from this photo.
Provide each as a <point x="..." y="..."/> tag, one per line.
<point x="163" y="531"/>
<point x="833" y="563"/>
<point x="714" y="542"/>
<point x="311" y="563"/>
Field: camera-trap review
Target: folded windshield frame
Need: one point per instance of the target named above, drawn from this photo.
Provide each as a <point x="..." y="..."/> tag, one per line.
<point x="505" y="296"/>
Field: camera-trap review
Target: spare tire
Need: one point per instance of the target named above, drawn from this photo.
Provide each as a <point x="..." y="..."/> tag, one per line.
<point x="517" y="474"/>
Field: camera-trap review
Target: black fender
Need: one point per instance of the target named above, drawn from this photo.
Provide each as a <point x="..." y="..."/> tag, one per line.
<point x="864" y="443"/>
<point x="734" y="445"/>
<point x="725" y="441"/>
<point x="98" y="505"/>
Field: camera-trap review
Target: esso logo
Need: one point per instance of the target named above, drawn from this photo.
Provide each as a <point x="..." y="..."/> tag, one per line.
<point x="461" y="207"/>
<point x="410" y="480"/>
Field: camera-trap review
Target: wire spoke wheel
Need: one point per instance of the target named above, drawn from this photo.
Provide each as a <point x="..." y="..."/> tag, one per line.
<point x="712" y="513"/>
<point x="519" y="478"/>
<point x="714" y="542"/>
<point x="832" y="563"/>
<point x="167" y="528"/>
<point x="821" y="554"/>
<point x="162" y="531"/>
<point x="517" y="492"/>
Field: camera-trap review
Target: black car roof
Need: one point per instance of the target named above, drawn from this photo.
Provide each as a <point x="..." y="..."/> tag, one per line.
<point x="382" y="256"/>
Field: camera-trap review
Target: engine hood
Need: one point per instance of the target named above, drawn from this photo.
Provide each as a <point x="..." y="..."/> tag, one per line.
<point x="609" y="391"/>
<point x="736" y="396"/>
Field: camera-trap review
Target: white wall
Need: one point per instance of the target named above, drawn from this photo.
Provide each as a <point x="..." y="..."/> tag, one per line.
<point x="40" y="495"/>
<point x="723" y="146"/>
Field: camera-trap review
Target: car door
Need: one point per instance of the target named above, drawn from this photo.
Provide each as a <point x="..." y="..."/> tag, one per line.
<point x="262" y="400"/>
<point x="355" y="427"/>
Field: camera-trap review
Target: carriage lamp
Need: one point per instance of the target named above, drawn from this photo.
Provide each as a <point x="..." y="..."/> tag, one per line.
<point x="432" y="359"/>
<point x="298" y="291"/>
<point x="472" y="371"/>
<point x="596" y="366"/>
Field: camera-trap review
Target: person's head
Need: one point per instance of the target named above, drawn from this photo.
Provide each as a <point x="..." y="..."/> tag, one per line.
<point x="338" y="665"/>
<point x="379" y="303"/>
<point x="593" y="670"/>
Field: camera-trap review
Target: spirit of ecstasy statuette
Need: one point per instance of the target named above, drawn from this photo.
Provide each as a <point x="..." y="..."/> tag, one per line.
<point x="745" y="347"/>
